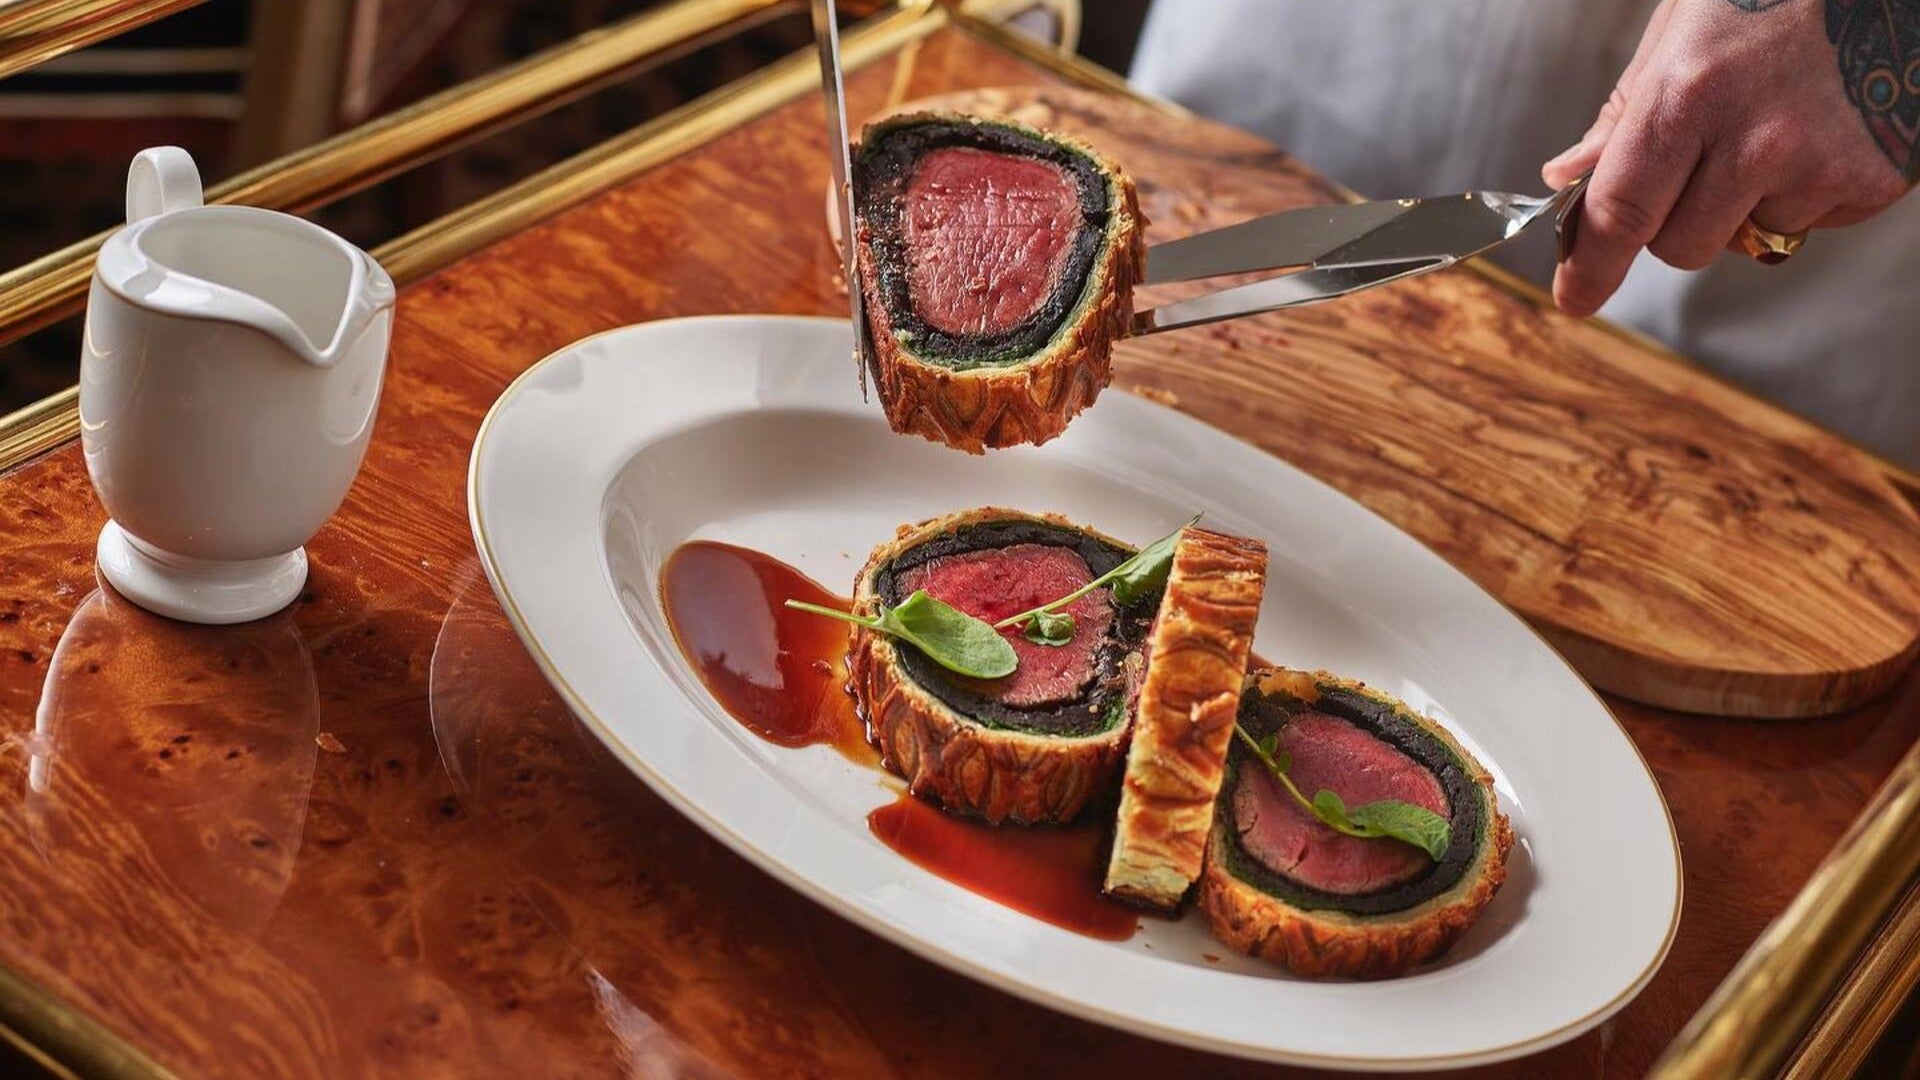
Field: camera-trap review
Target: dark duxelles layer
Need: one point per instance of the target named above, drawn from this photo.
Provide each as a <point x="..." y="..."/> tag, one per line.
<point x="881" y="172"/>
<point x="1261" y="714"/>
<point x="1100" y="705"/>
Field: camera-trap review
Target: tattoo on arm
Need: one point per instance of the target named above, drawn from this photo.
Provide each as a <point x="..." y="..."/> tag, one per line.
<point x="1878" y="43"/>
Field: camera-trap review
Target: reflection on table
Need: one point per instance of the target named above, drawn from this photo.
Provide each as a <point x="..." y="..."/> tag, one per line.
<point x="203" y="740"/>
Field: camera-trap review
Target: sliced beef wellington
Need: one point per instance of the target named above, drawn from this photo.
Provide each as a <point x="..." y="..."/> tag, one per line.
<point x="1183" y="722"/>
<point x="1036" y="745"/>
<point x="997" y="263"/>
<point x="1281" y="885"/>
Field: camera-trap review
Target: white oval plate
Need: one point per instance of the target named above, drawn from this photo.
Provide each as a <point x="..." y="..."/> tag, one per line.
<point x="598" y="461"/>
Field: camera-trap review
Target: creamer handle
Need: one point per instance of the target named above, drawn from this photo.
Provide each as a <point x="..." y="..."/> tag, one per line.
<point x="161" y="180"/>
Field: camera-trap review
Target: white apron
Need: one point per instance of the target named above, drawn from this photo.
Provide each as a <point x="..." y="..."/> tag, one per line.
<point x="1422" y="97"/>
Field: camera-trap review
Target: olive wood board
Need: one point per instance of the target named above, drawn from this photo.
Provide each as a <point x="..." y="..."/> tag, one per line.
<point x="1682" y="543"/>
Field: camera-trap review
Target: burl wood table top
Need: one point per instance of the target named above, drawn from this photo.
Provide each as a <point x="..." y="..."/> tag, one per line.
<point x="364" y="837"/>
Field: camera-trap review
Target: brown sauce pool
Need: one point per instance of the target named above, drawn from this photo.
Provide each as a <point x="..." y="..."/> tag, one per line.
<point x="1052" y="873"/>
<point x="782" y="674"/>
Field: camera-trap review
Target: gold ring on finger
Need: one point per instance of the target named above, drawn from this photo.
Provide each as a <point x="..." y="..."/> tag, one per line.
<point x="1766" y="245"/>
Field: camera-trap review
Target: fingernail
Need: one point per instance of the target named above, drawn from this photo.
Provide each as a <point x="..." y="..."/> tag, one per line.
<point x="1564" y="296"/>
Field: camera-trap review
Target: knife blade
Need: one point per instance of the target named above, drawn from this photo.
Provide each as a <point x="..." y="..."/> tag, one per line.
<point x="1271" y="242"/>
<point x="1285" y="291"/>
<point x="1357" y="234"/>
<point x="826" y="36"/>
<point x="1344" y="249"/>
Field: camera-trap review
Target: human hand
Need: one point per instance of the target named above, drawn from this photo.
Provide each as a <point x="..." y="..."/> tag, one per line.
<point x="1798" y="113"/>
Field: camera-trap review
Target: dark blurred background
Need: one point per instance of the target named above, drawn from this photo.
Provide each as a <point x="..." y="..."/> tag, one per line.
<point x="240" y="82"/>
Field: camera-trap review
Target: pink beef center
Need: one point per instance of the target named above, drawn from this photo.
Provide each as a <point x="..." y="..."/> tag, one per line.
<point x="999" y="582"/>
<point x="985" y="234"/>
<point x="1331" y="753"/>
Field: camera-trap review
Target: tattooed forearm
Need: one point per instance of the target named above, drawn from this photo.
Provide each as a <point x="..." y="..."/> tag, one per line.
<point x="1878" y="42"/>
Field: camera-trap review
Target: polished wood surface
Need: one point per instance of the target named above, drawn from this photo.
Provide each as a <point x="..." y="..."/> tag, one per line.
<point x="364" y="837"/>
<point x="1682" y="546"/>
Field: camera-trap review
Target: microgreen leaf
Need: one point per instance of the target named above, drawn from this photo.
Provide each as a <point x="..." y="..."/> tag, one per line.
<point x="1388" y="818"/>
<point x="1329" y="807"/>
<point x="1133" y="580"/>
<point x="1050" y="628"/>
<point x="950" y="637"/>
<point x="1139" y="576"/>
<point x="1416" y="825"/>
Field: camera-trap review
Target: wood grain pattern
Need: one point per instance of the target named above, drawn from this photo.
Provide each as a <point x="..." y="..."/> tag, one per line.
<point x="1680" y="545"/>
<point x="456" y="882"/>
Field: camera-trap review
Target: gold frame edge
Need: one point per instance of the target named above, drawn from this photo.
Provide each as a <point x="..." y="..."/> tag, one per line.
<point x="1864" y="876"/>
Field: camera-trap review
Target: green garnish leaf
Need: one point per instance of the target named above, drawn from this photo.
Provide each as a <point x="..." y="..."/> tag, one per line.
<point x="1132" y="581"/>
<point x="1329" y="807"/>
<point x="1416" y="825"/>
<point x="1139" y="576"/>
<point x="1388" y="818"/>
<point x="1050" y="628"/>
<point x="950" y="637"/>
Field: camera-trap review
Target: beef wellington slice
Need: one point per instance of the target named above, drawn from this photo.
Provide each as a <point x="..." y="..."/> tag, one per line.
<point x="1281" y="885"/>
<point x="1041" y="744"/>
<point x="997" y="264"/>
<point x="1033" y="746"/>
<point x="1183" y="721"/>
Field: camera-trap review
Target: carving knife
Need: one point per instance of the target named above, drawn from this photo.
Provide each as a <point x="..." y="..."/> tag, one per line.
<point x="826" y="37"/>
<point x="1343" y="249"/>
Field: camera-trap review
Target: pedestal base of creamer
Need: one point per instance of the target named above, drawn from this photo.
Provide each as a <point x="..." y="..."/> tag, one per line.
<point x="199" y="590"/>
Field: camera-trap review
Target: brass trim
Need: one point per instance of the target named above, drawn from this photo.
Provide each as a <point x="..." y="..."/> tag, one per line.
<point x="64" y="1041"/>
<point x="972" y="18"/>
<point x="1757" y="1016"/>
<point x="1067" y="15"/>
<point x="1072" y="18"/>
<point x="29" y="432"/>
<point x="35" y="31"/>
<point x="55" y="285"/>
<point x="595" y="170"/>
<point x="35" y="1056"/>
<point x="1858" y="1015"/>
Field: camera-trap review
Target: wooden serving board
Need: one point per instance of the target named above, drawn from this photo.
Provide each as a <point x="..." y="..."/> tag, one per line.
<point x="1682" y="543"/>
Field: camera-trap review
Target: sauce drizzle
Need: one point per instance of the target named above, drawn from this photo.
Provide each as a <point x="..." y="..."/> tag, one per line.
<point x="783" y="673"/>
<point x="780" y="672"/>
<point x="1049" y="872"/>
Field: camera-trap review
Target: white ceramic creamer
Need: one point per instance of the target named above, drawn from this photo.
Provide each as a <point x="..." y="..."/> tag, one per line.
<point x="228" y="380"/>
